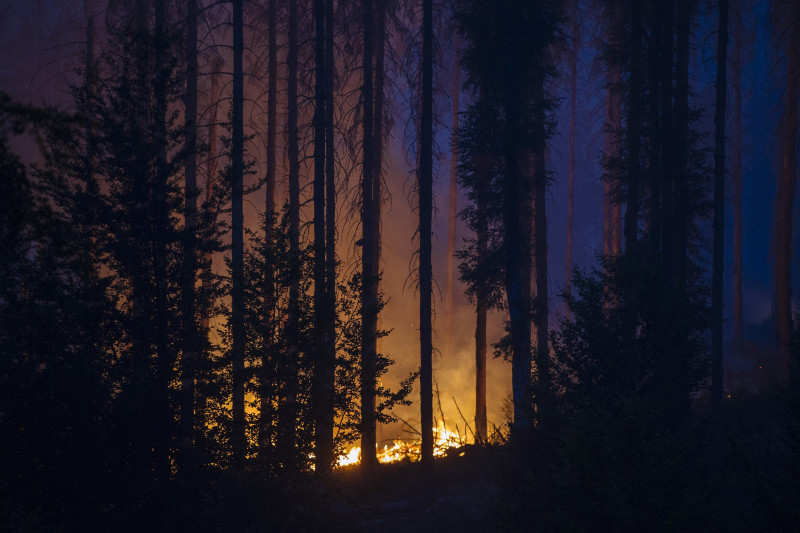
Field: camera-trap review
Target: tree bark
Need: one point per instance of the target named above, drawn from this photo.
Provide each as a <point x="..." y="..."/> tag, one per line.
<point x="719" y="208"/>
<point x="368" y="290"/>
<point x="425" y="227"/>
<point x="238" y="439"/>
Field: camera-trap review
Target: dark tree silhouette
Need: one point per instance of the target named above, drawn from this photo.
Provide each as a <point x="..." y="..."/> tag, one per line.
<point x="238" y="439"/>
<point x="788" y="15"/>
<point x="719" y="206"/>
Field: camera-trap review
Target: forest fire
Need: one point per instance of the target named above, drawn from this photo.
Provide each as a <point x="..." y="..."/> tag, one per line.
<point x="408" y="449"/>
<point x="246" y="246"/>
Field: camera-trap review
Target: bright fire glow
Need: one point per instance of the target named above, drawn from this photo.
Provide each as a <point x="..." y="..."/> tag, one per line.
<point x="400" y="449"/>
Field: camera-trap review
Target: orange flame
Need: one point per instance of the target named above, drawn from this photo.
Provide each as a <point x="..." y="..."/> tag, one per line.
<point x="411" y="449"/>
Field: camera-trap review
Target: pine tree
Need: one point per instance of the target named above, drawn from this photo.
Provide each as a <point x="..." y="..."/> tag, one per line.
<point x="515" y="89"/>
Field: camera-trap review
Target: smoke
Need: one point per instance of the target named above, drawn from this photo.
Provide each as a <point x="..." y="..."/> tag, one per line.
<point x="454" y="347"/>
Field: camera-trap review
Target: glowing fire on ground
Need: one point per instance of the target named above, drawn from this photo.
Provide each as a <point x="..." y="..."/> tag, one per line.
<point x="443" y="440"/>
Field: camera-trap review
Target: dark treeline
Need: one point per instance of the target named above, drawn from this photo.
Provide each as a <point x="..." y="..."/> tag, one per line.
<point x="174" y="357"/>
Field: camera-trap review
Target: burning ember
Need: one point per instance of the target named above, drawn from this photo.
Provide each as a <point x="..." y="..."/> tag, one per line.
<point x="443" y="440"/>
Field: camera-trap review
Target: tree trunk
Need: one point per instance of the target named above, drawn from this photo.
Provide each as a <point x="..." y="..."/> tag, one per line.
<point x="323" y="432"/>
<point x="573" y="101"/>
<point x="719" y="208"/>
<point x="206" y="280"/>
<point x="379" y="75"/>
<point x="161" y="244"/>
<point x="425" y="227"/>
<point x="517" y="226"/>
<point x="784" y="198"/>
<point x="265" y="391"/>
<point x="541" y="316"/>
<point x="678" y="376"/>
<point x="329" y="352"/>
<point x="190" y="329"/>
<point x="238" y="440"/>
<point x="368" y="291"/>
<point x="616" y="207"/>
<point x="211" y="175"/>
<point x="634" y="131"/>
<point x="481" y="307"/>
<point x="378" y="136"/>
<point x="612" y="218"/>
<point x="738" y="298"/>
<point x="89" y="81"/>
<point x="451" y="213"/>
<point x="287" y="417"/>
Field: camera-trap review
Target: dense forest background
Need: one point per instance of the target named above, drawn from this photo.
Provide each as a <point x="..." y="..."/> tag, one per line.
<point x="242" y="242"/>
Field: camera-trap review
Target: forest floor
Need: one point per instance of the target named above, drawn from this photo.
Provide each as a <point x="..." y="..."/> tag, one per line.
<point x="459" y="496"/>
